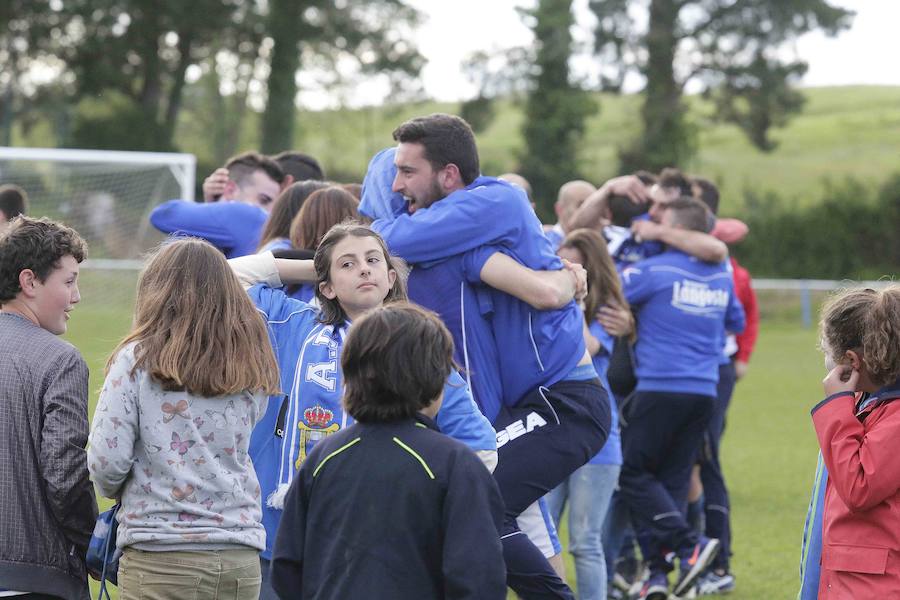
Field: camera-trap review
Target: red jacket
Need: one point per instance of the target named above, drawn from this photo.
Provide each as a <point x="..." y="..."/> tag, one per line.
<point x="861" y="528"/>
<point x="745" y="293"/>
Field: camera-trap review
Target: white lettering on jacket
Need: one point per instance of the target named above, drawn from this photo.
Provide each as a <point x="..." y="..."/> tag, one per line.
<point x="698" y="297"/>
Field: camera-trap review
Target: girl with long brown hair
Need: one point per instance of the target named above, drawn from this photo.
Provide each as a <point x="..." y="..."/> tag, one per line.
<point x="171" y="431"/>
<point x="323" y="209"/>
<point x="276" y="234"/>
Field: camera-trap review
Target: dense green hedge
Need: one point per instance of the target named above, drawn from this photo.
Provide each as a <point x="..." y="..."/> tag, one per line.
<point x="853" y="233"/>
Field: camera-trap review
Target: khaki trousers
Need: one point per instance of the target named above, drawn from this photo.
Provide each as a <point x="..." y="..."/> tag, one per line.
<point x="211" y="575"/>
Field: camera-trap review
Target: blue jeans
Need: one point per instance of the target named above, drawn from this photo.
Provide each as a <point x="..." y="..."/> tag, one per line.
<point x="588" y="490"/>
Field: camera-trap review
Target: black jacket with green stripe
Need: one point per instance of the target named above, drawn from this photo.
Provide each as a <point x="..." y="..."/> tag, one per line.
<point x="391" y="511"/>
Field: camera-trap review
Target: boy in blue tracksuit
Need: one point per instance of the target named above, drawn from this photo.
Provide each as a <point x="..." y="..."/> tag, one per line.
<point x="554" y="414"/>
<point x="232" y="224"/>
<point x="683" y="309"/>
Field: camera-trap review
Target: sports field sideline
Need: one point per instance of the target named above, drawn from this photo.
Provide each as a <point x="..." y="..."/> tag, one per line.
<point x="769" y="447"/>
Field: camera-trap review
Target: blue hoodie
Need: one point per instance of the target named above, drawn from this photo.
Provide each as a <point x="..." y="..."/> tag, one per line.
<point x="684" y="307"/>
<point x="232" y="227"/>
<point x="443" y="288"/>
<point x="535" y="348"/>
<point x="308" y="355"/>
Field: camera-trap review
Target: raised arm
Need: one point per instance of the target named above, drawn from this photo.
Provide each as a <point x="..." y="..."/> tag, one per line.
<point x="463" y="221"/>
<point x="207" y="221"/>
<point x="696" y="243"/>
<point x="596" y="207"/>
<point x="543" y="290"/>
<point x="274" y="272"/>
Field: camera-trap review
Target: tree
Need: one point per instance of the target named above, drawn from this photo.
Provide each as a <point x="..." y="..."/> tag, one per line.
<point x="137" y="51"/>
<point x="734" y="48"/>
<point x="371" y="34"/>
<point x="556" y="109"/>
<point x="500" y="73"/>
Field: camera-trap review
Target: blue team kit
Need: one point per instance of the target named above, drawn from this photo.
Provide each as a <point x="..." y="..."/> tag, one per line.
<point x="232" y="227"/>
<point x="673" y="352"/>
<point x="554" y="415"/>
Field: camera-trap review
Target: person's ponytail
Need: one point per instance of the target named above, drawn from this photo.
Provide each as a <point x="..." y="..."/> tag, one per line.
<point x="881" y="337"/>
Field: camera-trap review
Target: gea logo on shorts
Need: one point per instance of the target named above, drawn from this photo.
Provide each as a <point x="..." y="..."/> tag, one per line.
<point x="520" y="428"/>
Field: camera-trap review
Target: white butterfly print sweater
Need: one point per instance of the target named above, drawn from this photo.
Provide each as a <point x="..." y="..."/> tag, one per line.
<point x="178" y="462"/>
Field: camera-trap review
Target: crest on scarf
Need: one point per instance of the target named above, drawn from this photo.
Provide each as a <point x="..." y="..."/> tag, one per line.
<point x="318" y="426"/>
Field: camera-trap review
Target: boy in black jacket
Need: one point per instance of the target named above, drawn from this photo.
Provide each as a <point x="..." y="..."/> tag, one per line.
<point x="389" y="507"/>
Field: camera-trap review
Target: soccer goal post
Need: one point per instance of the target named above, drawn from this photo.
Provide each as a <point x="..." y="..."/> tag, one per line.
<point x="107" y="196"/>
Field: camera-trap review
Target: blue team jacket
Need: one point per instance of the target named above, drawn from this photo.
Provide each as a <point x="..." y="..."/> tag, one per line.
<point x="684" y="308"/>
<point x="232" y="227"/>
<point x="535" y="347"/>
<point x="308" y="355"/>
<point x="443" y="288"/>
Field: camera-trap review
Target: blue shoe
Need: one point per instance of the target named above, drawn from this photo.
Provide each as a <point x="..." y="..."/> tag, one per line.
<point x="693" y="561"/>
<point x="715" y="583"/>
<point x="655" y="587"/>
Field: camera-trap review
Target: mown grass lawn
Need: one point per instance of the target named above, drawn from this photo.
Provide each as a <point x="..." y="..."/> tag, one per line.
<point x="769" y="454"/>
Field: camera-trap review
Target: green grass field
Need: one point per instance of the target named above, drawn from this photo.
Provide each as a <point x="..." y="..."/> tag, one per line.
<point x="842" y="131"/>
<point x="769" y="448"/>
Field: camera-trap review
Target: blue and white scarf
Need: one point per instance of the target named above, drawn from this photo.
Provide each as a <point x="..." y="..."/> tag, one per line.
<point x="314" y="409"/>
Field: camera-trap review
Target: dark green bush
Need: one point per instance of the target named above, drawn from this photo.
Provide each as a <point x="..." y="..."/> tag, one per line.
<point x="851" y="234"/>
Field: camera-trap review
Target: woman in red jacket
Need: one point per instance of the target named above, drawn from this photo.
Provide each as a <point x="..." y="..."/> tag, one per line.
<point x="860" y="440"/>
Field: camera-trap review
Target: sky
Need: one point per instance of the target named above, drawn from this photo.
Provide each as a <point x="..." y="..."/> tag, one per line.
<point x="864" y="54"/>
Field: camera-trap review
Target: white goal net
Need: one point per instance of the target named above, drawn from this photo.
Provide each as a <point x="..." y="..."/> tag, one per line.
<point x="107" y="197"/>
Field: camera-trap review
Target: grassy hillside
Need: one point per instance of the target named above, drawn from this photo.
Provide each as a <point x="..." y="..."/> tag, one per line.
<point x="843" y="131"/>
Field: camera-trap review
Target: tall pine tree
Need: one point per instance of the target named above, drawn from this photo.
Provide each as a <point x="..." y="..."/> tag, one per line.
<point x="735" y="48"/>
<point x="555" y="110"/>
